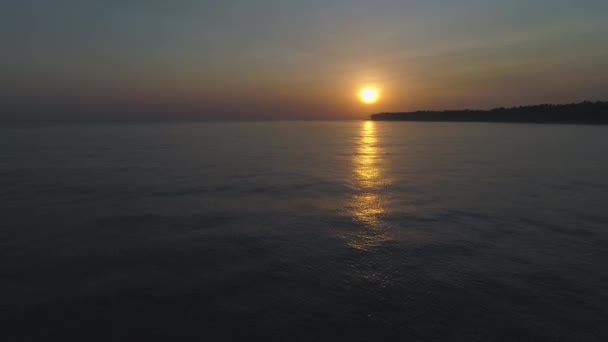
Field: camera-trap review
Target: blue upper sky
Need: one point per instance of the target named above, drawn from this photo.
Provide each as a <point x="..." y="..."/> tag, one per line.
<point x="296" y="59"/>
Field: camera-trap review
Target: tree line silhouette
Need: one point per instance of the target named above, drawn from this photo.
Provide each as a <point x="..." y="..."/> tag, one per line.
<point x="586" y="112"/>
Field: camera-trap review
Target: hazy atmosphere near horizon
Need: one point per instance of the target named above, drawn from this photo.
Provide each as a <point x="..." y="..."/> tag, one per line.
<point x="275" y="59"/>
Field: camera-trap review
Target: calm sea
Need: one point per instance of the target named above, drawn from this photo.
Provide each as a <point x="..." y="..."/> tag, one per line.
<point x="304" y="231"/>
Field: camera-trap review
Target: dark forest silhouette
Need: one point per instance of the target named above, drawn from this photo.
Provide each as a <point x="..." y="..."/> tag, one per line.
<point x="576" y="113"/>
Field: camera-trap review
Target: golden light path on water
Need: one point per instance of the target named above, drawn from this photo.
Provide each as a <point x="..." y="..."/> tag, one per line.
<point x="367" y="203"/>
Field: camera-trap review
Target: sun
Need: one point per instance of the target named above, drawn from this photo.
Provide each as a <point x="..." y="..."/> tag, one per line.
<point x="369" y="95"/>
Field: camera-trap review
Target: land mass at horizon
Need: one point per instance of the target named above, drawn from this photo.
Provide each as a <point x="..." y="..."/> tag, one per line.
<point x="587" y="112"/>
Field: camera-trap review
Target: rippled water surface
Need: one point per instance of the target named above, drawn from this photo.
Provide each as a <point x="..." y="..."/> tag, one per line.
<point x="304" y="231"/>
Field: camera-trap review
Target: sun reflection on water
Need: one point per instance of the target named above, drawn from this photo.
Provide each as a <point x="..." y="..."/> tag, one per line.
<point x="367" y="203"/>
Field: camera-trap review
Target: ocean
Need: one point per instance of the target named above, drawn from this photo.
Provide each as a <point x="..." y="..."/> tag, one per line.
<point x="300" y="231"/>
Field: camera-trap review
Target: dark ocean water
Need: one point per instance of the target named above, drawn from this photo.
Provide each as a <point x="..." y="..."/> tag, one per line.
<point x="304" y="231"/>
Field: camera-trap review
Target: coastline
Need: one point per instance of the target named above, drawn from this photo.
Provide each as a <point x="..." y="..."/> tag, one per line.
<point x="590" y="113"/>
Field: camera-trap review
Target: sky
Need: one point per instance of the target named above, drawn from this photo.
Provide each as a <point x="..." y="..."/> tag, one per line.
<point x="281" y="59"/>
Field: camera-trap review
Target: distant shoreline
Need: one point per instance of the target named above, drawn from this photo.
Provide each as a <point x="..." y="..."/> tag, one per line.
<point x="590" y="113"/>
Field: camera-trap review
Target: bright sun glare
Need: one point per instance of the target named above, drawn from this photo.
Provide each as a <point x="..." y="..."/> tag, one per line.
<point x="369" y="95"/>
